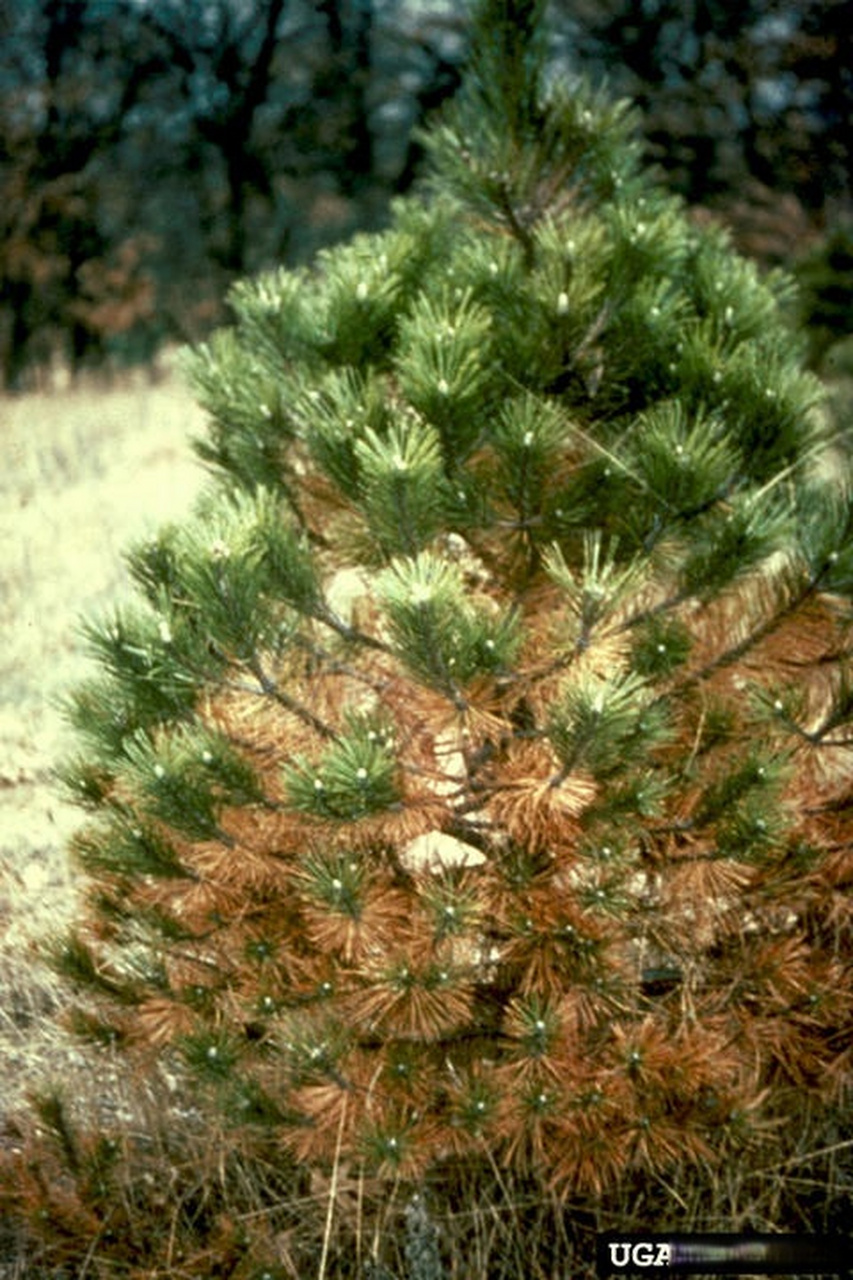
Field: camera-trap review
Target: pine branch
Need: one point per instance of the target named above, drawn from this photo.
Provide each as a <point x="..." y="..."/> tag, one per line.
<point x="517" y="227"/>
<point x="271" y="689"/>
<point x="763" y="631"/>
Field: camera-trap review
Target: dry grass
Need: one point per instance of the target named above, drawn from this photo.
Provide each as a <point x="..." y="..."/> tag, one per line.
<point x="86" y="470"/>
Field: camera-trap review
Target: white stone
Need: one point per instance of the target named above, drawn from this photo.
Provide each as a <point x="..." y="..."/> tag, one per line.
<point x="435" y="851"/>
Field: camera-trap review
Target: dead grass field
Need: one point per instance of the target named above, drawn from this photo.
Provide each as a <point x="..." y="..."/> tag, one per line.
<point x="85" y="472"/>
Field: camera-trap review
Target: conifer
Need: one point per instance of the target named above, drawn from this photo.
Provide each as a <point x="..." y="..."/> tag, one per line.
<point x="471" y="779"/>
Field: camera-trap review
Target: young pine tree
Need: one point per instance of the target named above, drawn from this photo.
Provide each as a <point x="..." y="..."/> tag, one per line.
<point x="472" y="776"/>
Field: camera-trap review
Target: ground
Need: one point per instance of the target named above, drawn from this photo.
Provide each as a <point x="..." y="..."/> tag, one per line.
<point x="87" y="471"/>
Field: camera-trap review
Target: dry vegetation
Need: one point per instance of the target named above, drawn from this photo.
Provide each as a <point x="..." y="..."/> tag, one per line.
<point x="86" y="470"/>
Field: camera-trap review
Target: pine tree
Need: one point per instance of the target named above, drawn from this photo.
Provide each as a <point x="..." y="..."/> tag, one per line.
<point x="470" y="779"/>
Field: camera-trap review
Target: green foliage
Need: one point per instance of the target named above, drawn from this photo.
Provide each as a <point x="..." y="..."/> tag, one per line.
<point x="595" y="590"/>
<point x="403" y="485"/>
<point x="354" y="777"/>
<point x="211" y="1058"/>
<point x="601" y="724"/>
<point x="186" y="777"/>
<point x="128" y="850"/>
<point x="444" y="639"/>
<point x="445" y="369"/>
<point x="660" y="646"/>
<point x="255" y="454"/>
<point x="526" y="437"/>
<point x="731" y="543"/>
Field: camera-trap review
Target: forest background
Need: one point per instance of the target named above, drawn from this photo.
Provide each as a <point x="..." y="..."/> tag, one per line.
<point x="152" y="151"/>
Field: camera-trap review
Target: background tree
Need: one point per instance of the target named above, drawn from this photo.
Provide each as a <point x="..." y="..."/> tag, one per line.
<point x="223" y="140"/>
<point x="222" y="58"/>
<point x="218" y="141"/>
<point x="56" y="142"/>
<point x="759" y="93"/>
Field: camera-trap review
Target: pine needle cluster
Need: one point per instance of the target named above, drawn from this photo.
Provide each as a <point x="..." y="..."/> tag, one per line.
<point x="471" y="779"/>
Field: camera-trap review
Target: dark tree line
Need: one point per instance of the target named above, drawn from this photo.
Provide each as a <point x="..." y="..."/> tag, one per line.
<point x="152" y="152"/>
<point x="760" y="91"/>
